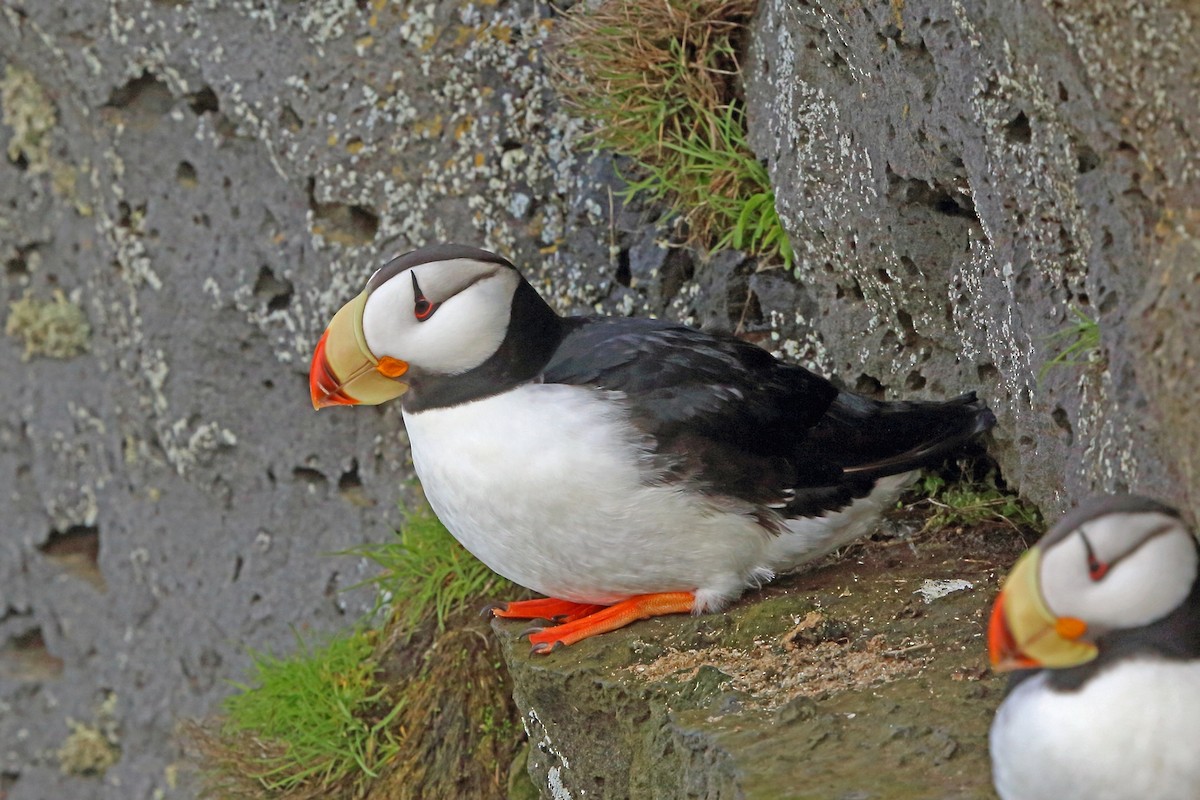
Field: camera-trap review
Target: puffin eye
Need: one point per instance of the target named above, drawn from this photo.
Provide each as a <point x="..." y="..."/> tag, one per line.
<point x="1097" y="569"/>
<point x="423" y="307"/>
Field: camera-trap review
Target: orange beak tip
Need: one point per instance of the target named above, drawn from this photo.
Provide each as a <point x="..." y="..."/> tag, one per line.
<point x="323" y="384"/>
<point x="1003" y="652"/>
<point x="1070" y="627"/>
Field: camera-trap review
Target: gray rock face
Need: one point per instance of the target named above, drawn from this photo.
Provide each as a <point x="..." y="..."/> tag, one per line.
<point x="207" y="182"/>
<point x="1165" y="322"/>
<point x="204" y="183"/>
<point x="957" y="179"/>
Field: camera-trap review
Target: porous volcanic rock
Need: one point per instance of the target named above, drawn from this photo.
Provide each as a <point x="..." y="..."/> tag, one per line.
<point x="961" y="182"/>
<point x="189" y="189"/>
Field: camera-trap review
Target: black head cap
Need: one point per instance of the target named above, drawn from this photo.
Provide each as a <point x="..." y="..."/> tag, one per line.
<point x="1101" y="506"/>
<point x="436" y="252"/>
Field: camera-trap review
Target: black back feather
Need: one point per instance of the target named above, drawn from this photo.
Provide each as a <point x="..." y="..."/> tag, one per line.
<point x="728" y="418"/>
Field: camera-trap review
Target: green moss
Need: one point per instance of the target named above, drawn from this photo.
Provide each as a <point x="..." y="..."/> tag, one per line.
<point x="973" y="501"/>
<point x="659" y="82"/>
<point x="55" y="328"/>
<point x="461" y="727"/>
<point x="87" y="751"/>
<point x="29" y="112"/>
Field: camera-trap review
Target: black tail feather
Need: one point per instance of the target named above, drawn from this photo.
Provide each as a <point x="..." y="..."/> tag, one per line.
<point x="874" y="439"/>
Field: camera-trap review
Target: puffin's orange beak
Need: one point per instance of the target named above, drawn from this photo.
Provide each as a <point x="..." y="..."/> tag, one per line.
<point x="344" y="371"/>
<point x="1024" y="634"/>
<point x="1003" y="651"/>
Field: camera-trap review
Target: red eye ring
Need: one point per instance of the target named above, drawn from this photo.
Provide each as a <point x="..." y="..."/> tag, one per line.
<point x="423" y="308"/>
<point x="1097" y="569"/>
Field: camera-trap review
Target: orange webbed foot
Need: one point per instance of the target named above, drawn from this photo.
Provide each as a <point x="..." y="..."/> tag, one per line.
<point x="548" y="608"/>
<point x="609" y="618"/>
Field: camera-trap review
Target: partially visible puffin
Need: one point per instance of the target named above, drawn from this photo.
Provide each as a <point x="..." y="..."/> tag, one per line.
<point x="624" y="467"/>
<point x="1102" y="620"/>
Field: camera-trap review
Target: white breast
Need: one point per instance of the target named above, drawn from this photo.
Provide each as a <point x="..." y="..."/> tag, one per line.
<point x="1130" y="733"/>
<point x="543" y="484"/>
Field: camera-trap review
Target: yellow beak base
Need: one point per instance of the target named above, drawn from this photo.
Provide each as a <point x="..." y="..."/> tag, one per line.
<point x="344" y="372"/>
<point x="1024" y="633"/>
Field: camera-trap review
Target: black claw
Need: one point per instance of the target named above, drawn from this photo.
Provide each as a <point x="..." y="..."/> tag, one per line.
<point x="490" y="609"/>
<point x="532" y="629"/>
<point x="542" y="648"/>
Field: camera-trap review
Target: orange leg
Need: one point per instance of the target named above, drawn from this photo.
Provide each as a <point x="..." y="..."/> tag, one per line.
<point x="610" y="618"/>
<point x="543" y="608"/>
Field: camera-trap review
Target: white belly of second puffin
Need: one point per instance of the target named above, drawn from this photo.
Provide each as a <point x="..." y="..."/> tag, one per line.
<point x="543" y="484"/>
<point x="1130" y="733"/>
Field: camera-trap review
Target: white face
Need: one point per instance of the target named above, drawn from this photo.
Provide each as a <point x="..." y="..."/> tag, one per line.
<point x="456" y="323"/>
<point x="1119" y="570"/>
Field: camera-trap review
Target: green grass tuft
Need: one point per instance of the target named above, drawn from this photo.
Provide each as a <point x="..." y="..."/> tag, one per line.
<point x="659" y="82"/>
<point x="427" y="575"/>
<point x="1082" y="338"/>
<point x="317" y="718"/>
<point x="359" y="715"/>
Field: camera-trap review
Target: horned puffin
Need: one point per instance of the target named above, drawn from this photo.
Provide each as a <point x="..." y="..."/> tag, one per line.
<point x="1100" y="622"/>
<point x="622" y="467"/>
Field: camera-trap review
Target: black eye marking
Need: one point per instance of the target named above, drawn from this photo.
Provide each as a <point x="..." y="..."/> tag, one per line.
<point x="423" y="307"/>
<point x="1097" y="569"/>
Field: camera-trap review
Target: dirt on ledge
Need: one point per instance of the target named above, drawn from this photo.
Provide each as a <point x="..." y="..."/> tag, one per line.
<point x="843" y="681"/>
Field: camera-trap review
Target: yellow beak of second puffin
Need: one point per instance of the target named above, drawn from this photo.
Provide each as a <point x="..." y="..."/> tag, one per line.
<point x="344" y="371"/>
<point x="1024" y="634"/>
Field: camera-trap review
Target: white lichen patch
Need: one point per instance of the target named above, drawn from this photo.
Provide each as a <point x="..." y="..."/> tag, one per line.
<point x="936" y="589"/>
<point x="54" y="328"/>
<point x="540" y="741"/>
<point x="128" y="241"/>
<point x="326" y="19"/>
<point x="989" y="334"/>
<point x="30" y="114"/>
<point x="189" y="444"/>
<point x="1141" y="55"/>
<point x="1106" y="429"/>
<point x="79" y="453"/>
<point x="555" y="784"/>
